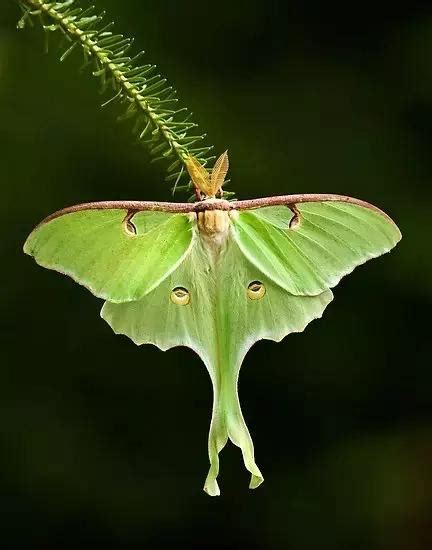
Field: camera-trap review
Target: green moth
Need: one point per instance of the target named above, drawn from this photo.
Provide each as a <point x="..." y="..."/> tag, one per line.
<point x="214" y="275"/>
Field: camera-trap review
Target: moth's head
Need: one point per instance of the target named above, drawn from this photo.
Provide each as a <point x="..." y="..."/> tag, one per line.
<point x="208" y="183"/>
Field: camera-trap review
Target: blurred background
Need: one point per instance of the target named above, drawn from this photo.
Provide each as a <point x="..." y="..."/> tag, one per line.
<point x="103" y="443"/>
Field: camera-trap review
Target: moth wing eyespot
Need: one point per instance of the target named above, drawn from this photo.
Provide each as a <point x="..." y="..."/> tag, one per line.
<point x="256" y="290"/>
<point x="180" y="296"/>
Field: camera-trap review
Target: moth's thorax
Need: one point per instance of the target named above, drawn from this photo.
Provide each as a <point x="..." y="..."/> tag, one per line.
<point x="213" y="222"/>
<point x="213" y="225"/>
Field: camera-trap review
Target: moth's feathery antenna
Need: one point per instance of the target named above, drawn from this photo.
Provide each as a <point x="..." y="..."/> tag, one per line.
<point x="208" y="183"/>
<point x="219" y="172"/>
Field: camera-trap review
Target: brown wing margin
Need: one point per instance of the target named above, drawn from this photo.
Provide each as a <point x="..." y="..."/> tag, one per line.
<point x="186" y="207"/>
<point x="132" y="207"/>
<point x="292" y="200"/>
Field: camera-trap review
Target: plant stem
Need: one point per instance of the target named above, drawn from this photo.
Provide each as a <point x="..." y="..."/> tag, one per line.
<point x="147" y="96"/>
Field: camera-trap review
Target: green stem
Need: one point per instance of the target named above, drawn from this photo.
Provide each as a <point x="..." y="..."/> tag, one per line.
<point x="161" y="127"/>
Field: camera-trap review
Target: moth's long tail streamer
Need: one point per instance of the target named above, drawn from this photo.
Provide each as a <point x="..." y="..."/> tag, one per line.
<point x="228" y="423"/>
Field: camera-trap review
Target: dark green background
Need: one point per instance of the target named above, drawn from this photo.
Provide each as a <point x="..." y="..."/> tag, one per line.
<point x="104" y="443"/>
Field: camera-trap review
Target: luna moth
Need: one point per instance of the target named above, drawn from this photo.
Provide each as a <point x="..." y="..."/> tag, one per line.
<point x="214" y="275"/>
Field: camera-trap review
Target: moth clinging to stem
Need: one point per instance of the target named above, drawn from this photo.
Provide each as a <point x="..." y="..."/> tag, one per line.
<point x="215" y="275"/>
